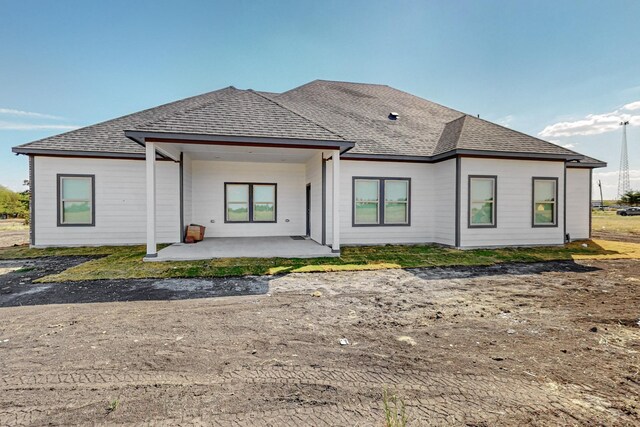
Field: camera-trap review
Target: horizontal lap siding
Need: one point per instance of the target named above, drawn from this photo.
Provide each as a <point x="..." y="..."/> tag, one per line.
<point x="208" y="178"/>
<point x="444" y="205"/>
<point x="422" y="203"/>
<point x="120" y="200"/>
<point x="578" y="203"/>
<point x="514" y="205"/>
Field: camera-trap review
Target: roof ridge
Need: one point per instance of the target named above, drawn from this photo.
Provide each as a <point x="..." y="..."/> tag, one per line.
<point x="127" y="115"/>
<point x="297" y="113"/>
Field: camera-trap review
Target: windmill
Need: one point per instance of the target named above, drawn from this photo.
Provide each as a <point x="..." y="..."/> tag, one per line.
<point x="624" y="184"/>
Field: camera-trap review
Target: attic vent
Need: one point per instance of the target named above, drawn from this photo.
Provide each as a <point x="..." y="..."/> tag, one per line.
<point x="393" y="116"/>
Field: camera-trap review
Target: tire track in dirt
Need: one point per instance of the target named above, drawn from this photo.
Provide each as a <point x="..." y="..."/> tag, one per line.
<point x="431" y="397"/>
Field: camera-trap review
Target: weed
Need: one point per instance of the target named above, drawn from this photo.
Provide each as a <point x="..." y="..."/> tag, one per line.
<point x="394" y="410"/>
<point x="113" y="406"/>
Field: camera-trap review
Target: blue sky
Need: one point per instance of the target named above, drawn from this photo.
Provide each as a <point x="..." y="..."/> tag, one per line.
<point x="567" y="71"/>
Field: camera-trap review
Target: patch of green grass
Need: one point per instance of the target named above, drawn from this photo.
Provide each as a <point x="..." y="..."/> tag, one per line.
<point x="113" y="405"/>
<point x="126" y="262"/>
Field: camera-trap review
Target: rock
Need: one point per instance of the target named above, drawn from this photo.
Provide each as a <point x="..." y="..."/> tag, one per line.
<point x="316" y="294"/>
<point x="254" y="351"/>
<point x="498" y="359"/>
<point x="439" y="315"/>
<point x="511" y="331"/>
<point x="594" y="329"/>
<point x="407" y="339"/>
<point x="344" y="341"/>
<point x="584" y="245"/>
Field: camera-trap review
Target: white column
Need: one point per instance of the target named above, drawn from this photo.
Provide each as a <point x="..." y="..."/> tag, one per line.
<point x="150" y="163"/>
<point x="335" y="162"/>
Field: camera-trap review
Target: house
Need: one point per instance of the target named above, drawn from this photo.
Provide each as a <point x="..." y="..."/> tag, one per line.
<point x="341" y="163"/>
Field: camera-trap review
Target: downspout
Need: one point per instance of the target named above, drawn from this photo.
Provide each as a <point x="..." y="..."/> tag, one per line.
<point x="567" y="238"/>
<point x="32" y="201"/>
<point x="324" y="200"/>
<point x="181" y="234"/>
<point x="590" y="199"/>
<point x="457" y="213"/>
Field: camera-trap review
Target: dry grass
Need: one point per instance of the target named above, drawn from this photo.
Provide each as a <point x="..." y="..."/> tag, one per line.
<point x="13" y="225"/>
<point x="610" y="222"/>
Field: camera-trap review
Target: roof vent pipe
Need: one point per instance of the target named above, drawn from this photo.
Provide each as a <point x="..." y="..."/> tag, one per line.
<point x="393" y="116"/>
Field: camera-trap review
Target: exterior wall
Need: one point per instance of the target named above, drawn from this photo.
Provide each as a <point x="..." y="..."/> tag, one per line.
<point x="314" y="177"/>
<point x="444" y="202"/>
<point x="578" y="203"/>
<point x="120" y="202"/>
<point x="187" y="190"/>
<point x="208" y="178"/>
<point x="514" y="203"/>
<point x="422" y="209"/>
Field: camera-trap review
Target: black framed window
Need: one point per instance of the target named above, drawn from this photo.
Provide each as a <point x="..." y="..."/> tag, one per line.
<point x="76" y="200"/>
<point x="482" y="201"/>
<point x="545" y="195"/>
<point x="250" y="202"/>
<point x="381" y="201"/>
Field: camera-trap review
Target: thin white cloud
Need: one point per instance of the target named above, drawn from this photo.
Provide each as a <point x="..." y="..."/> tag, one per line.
<point x="20" y="113"/>
<point x="632" y="106"/>
<point x="594" y="124"/>
<point x="30" y="126"/>
<point x="570" y="145"/>
<point x="506" y="120"/>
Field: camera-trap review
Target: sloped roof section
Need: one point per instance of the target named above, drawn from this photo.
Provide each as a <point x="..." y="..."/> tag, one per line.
<point x="108" y="137"/>
<point x="317" y="111"/>
<point x="240" y="113"/>
<point x="478" y="134"/>
<point x="360" y="112"/>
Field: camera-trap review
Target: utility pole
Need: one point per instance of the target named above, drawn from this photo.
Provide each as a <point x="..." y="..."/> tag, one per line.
<point x="601" y="198"/>
<point x="624" y="184"/>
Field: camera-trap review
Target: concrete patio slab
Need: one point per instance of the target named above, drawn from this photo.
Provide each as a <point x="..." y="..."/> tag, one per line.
<point x="247" y="247"/>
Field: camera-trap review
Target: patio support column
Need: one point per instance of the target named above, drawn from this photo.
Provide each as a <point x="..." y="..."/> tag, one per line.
<point x="335" y="162"/>
<point x="150" y="163"/>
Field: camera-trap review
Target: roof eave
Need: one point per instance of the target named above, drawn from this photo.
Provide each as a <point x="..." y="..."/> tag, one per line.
<point x="141" y="137"/>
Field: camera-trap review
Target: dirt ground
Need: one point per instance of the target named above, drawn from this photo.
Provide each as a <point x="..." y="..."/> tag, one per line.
<point x="13" y="232"/>
<point x="540" y="344"/>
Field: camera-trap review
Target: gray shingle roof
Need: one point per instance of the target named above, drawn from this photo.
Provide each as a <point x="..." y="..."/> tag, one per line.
<point x="319" y="110"/>
<point x="240" y="113"/>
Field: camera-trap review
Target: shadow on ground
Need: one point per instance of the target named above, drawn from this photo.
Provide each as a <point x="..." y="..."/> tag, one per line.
<point x="17" y="289"/>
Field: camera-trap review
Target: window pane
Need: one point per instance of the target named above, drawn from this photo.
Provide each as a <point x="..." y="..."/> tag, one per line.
<point x="395" y="213"/>
<point x="366" y="191"/>
<point x="237" y="211"/>
<point x="396" y="191"/>
<point x="482" y="213"/>
<point x="366" y="213"/>
<point x="76" y="188"/>
<point x="544" y="213"/>
<point x="263" y="212"/>
<point x="76" y="213"/>
<point x="264" y="193"/>
<point x="481" y="189"/>
<point x="238" y="193"/>
<point x="544" y="190"/>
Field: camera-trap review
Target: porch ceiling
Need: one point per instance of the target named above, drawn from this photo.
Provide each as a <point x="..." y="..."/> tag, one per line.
<point x="240" y="153"/>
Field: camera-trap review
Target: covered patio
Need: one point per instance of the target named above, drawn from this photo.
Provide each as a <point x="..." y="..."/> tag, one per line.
<point x="245" y="247"/>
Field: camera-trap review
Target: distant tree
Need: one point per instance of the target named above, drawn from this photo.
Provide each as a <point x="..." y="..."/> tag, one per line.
<point x="631" y="198"/>
<point x="12" y="204"/>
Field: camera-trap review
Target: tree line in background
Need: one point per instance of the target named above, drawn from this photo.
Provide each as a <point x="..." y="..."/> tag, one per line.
<point x="631" y="198"/>
<point x="13" y="205"/>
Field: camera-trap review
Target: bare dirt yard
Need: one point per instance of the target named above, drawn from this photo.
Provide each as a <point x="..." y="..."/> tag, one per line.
<point x="13" y="232"/>
<point x="552" y="343"/>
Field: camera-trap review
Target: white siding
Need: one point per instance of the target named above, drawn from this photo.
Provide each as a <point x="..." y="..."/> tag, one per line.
<point x="422" y="206"/>
<point x="187" y="188"/>
<point x="514" y="203"/>
<point x="120" y="202"/>
<point x="578" y="203"/>
<point x="314" y="177"/>
<point x="208" y="178"/>
<point x="443" y="205"/>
